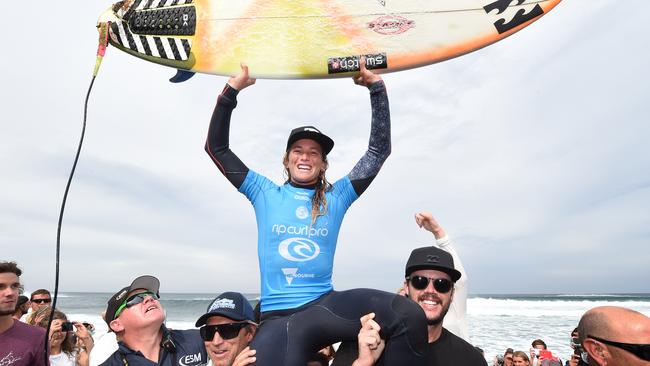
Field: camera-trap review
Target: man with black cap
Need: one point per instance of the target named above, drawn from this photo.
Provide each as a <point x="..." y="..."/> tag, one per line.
<point x="429" y="280"/>
<point x="22" y="307"/>
<point x="430" y="276"/>
<point x="136" y="316"/>
<point x="227" y="328"/>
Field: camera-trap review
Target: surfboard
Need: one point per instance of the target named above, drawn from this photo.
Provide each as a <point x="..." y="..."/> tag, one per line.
<point x="311" y="38"/>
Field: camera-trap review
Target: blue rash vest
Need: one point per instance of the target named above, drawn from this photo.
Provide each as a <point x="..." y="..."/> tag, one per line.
<point x="295" y="257"/>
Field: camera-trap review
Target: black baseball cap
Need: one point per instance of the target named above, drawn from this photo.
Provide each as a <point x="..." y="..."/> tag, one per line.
<point x="146" y="282"/>
<point x="432" y="258"/>
<point x="312" y="133"/>
<point x="231" y="305"/>
<point x="22" y="299"/>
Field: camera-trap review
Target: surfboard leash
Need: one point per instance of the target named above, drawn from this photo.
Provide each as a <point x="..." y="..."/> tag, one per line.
<point x="101" y="51"/>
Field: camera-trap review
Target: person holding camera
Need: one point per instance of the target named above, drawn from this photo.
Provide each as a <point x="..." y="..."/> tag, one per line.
<point x="63" y="341"/>
<point x="579" y="356"/>
<point x="504" y="360"/>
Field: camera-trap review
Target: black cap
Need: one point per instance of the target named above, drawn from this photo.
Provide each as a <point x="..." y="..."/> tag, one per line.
<point x="231" y="305"/>
<point x="432" y="258"/>
<point x="312" y="133"/>
<point x="22" y="299"/>
<point x="149" y="283"/>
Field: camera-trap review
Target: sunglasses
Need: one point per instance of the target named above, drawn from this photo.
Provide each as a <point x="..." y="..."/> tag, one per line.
<point x="226" y="331"/>
<point x="134" y="300"/>
<point x="42" y="301"/>
<point x="641" y="351"/>
<point x="441" y="285"/>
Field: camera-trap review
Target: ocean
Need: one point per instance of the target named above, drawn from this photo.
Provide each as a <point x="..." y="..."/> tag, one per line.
<point x="496" y="322"/>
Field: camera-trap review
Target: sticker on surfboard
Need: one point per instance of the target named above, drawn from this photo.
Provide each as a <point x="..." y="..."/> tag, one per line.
<point x="310" y="38"/>
<point x="337" y="65"/>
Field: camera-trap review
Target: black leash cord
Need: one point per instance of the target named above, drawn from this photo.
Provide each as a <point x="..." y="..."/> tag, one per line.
<point x="58" y="231"/>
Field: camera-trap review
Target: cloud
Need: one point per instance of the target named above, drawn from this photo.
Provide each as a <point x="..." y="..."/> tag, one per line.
<point x="531" y="152"/>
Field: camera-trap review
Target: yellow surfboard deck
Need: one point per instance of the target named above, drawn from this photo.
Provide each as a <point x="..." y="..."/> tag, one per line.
<point x="312" y="38"/>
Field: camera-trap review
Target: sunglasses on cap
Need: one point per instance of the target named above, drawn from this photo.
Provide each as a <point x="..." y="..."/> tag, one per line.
<point x="441" y="285"/>
<point x="134" y="300"/>
<point x="41" y="301"/>
<point x="641" y="351"/>
<point x="226" y="331"/>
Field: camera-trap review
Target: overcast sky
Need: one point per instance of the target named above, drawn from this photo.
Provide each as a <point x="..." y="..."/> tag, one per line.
<point x="533" y="153"/>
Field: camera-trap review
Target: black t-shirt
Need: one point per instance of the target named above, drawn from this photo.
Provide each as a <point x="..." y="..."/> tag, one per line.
<point x="451" y="350"/>
<point x="448" y="350"/>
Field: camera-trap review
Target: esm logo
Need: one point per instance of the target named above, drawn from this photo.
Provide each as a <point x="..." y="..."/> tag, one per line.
<point x="298" y="249"/>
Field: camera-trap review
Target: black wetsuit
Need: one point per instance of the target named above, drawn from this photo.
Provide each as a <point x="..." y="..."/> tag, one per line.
<point x="301" y="313"/>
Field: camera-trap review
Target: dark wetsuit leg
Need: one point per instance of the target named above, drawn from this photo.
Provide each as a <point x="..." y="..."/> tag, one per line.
<point x="291" y="339"/>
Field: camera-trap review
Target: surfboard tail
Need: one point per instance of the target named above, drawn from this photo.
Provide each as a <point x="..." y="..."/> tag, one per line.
<point x="159" y="31"/>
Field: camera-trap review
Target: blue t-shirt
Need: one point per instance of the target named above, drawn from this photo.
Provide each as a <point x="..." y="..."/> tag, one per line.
<point x="295" y="257"/>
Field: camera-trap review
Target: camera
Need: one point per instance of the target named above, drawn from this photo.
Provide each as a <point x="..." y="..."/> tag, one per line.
<point x="66" y="327"/>
<point x="499" y="360"/>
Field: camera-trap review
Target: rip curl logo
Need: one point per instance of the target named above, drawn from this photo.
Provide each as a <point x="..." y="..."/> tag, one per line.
<point x="308" y="231"/>
<point x="391" y="24"/>
<point x="298" y="249"/>
<point x="222" y="303"/>
<point x="292" y="273"/>
<point x="302" y="212"/>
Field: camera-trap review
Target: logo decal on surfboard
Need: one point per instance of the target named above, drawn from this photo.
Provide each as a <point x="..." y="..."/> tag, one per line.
<point x="337" y="65"/>
<point x="391" y="24"/>
<point x="520" y="17"/>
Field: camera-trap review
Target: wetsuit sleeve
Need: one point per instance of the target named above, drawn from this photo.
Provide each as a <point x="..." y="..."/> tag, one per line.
<point x="379" y="145"/>
<point x="217" y="143"/>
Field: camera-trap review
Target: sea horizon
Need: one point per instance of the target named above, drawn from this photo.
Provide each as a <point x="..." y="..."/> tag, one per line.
<point x="495" y="321"/>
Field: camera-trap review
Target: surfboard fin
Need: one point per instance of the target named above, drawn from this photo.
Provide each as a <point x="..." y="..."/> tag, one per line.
<point x="181" y="76"/>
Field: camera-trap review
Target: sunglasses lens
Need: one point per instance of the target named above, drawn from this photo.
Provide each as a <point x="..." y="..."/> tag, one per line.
<point x="419" y="282"/>
<point x="645" y="352"/>
<point x="138" y="298"/>
<point x="207" y="332"/>
<point x="226" y="331"/>
<point x="42" y="301"/>
<point x="229" y="331"/>
<point x="442" y="285"/>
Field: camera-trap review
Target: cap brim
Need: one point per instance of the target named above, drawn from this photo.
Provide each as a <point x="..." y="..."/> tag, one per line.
<point x="204" y="318"/>
<point x="146" y="282"/>
<point x="325" y="142"/>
